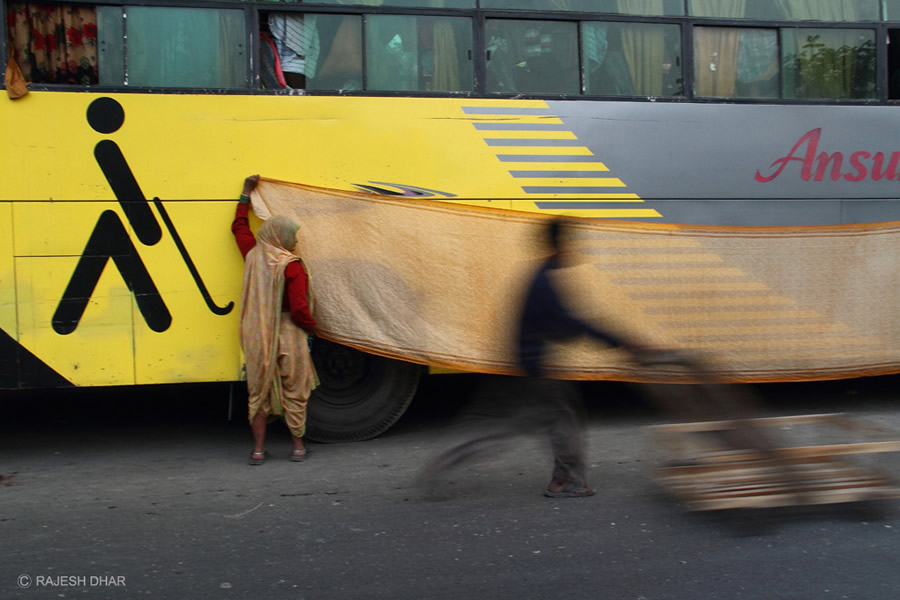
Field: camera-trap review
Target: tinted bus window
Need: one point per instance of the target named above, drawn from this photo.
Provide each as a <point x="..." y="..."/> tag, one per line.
<point x="828" y="63"/>
<point x="418" y="53"/>
<point x="167" y="47"/>
<point x="184" y="47"/>
<point x="732" y="62"/>
<point x="532" y="57"/>
<point x="632" y="59"/>
<point x="410" y="3"/>
<point x="892" y="10"/>
<point x="623" y="7"/>
<point x="788" y="10"/>
<point x="894" y="64"/>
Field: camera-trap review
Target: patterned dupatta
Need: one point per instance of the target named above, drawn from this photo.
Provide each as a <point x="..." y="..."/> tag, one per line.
<point x="261" y="298"/>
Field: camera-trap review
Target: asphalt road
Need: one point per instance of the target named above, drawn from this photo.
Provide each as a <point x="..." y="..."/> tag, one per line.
<point x="146" y="493"/>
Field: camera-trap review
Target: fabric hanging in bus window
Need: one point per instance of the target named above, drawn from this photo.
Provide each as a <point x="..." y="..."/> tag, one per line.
<point x="735" y="62"/>
<point x="54" y="43"/>
<point x="16" y="86"/>
<point x="715" y="61"/>
<point x="340" y="64"/>
<point x="446" y="51"/>
<point x="441" y="283"/>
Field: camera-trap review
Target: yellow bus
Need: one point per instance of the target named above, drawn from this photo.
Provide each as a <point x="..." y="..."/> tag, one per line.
<point x="122" y="163"/>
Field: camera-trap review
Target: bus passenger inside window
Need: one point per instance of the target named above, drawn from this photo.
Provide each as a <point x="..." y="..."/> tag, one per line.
<point x="314" y="52"/>
<point x="532" y="57"/>
<point x="420" y="53"/>
<point x="54" y="43"/>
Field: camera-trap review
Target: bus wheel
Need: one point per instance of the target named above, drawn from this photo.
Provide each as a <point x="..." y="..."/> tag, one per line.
<point x="359" y="396"/>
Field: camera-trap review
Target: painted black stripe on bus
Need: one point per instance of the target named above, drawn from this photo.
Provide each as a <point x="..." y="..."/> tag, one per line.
<point x="19" y="368"/>
<point x="521" y="142"/>
<point x="549" y="158"/>
<point x="506" y="110"/>
<point x="521" y="127"/>
<point x="110" y="242"/>
<point x="126" y="189"/>
<point x="559" y="174"/>
<point x="565" y="189"/>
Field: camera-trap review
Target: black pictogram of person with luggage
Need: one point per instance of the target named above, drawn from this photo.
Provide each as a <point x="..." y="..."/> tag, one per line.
<point x="110" y="239"/>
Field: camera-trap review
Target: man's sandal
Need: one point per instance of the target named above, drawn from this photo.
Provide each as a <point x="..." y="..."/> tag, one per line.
<point x="257" y="458"/>
<point x="571" y="490"/>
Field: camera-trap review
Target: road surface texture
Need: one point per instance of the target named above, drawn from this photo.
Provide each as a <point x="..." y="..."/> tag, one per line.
<point x="146" y="493"/>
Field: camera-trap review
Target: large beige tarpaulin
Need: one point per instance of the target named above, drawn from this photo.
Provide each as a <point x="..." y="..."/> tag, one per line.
<point x="441" y="283"/>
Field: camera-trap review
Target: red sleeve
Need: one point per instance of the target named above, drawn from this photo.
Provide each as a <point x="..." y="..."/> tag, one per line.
<point x="296" y="286"/>
<point x="240" y="227"/>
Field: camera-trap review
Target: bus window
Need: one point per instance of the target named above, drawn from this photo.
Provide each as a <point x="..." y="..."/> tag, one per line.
<point x="790" y="10"/>
<point x="184" y="47"/>
<point x="732" y="62"/>
<point x="167" y="47"/>
<point x="892" y="10"/>
<point x="653" y="8"/>
<point x="55" y="43"/>
<point x="828" y="63"/>
<point x="408" y="3"/>
<point x="418" y="53"/>
<point x="532" y="57"/>
<point x="631" y="59"/>
<point x="315" y="52"/>
<point x="894" y="64"/>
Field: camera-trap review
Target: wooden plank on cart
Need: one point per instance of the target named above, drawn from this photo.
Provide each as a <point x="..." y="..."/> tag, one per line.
<point x="708" y="474"/>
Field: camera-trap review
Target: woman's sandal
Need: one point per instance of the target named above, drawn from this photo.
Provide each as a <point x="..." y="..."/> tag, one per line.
<point x="298" y="455"/>
<point x="257" y="458"/>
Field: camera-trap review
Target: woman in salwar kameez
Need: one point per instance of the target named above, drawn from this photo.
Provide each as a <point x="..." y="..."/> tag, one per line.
<point x="276" y="319"/>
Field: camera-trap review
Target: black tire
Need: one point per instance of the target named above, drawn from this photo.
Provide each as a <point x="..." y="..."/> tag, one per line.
<point x="360" y="395"/>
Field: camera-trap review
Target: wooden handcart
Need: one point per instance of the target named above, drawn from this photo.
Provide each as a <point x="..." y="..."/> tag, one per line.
<point x="723" y="458"/>
<point x="706" y="474"/>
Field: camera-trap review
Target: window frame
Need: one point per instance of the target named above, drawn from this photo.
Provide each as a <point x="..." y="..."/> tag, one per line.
<point x="254" y="8"/>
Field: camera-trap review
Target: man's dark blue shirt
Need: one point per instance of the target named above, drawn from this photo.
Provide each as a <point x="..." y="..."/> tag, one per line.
<point x="545" y="318"/>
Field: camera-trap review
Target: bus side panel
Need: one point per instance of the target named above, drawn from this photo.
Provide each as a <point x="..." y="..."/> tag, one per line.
<point x="7" y="273"/>
<point x="160" y="313"/>
<point x="202" y="343"/>
<point x="91" y="348"/>
<point x="8" y="349"/>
